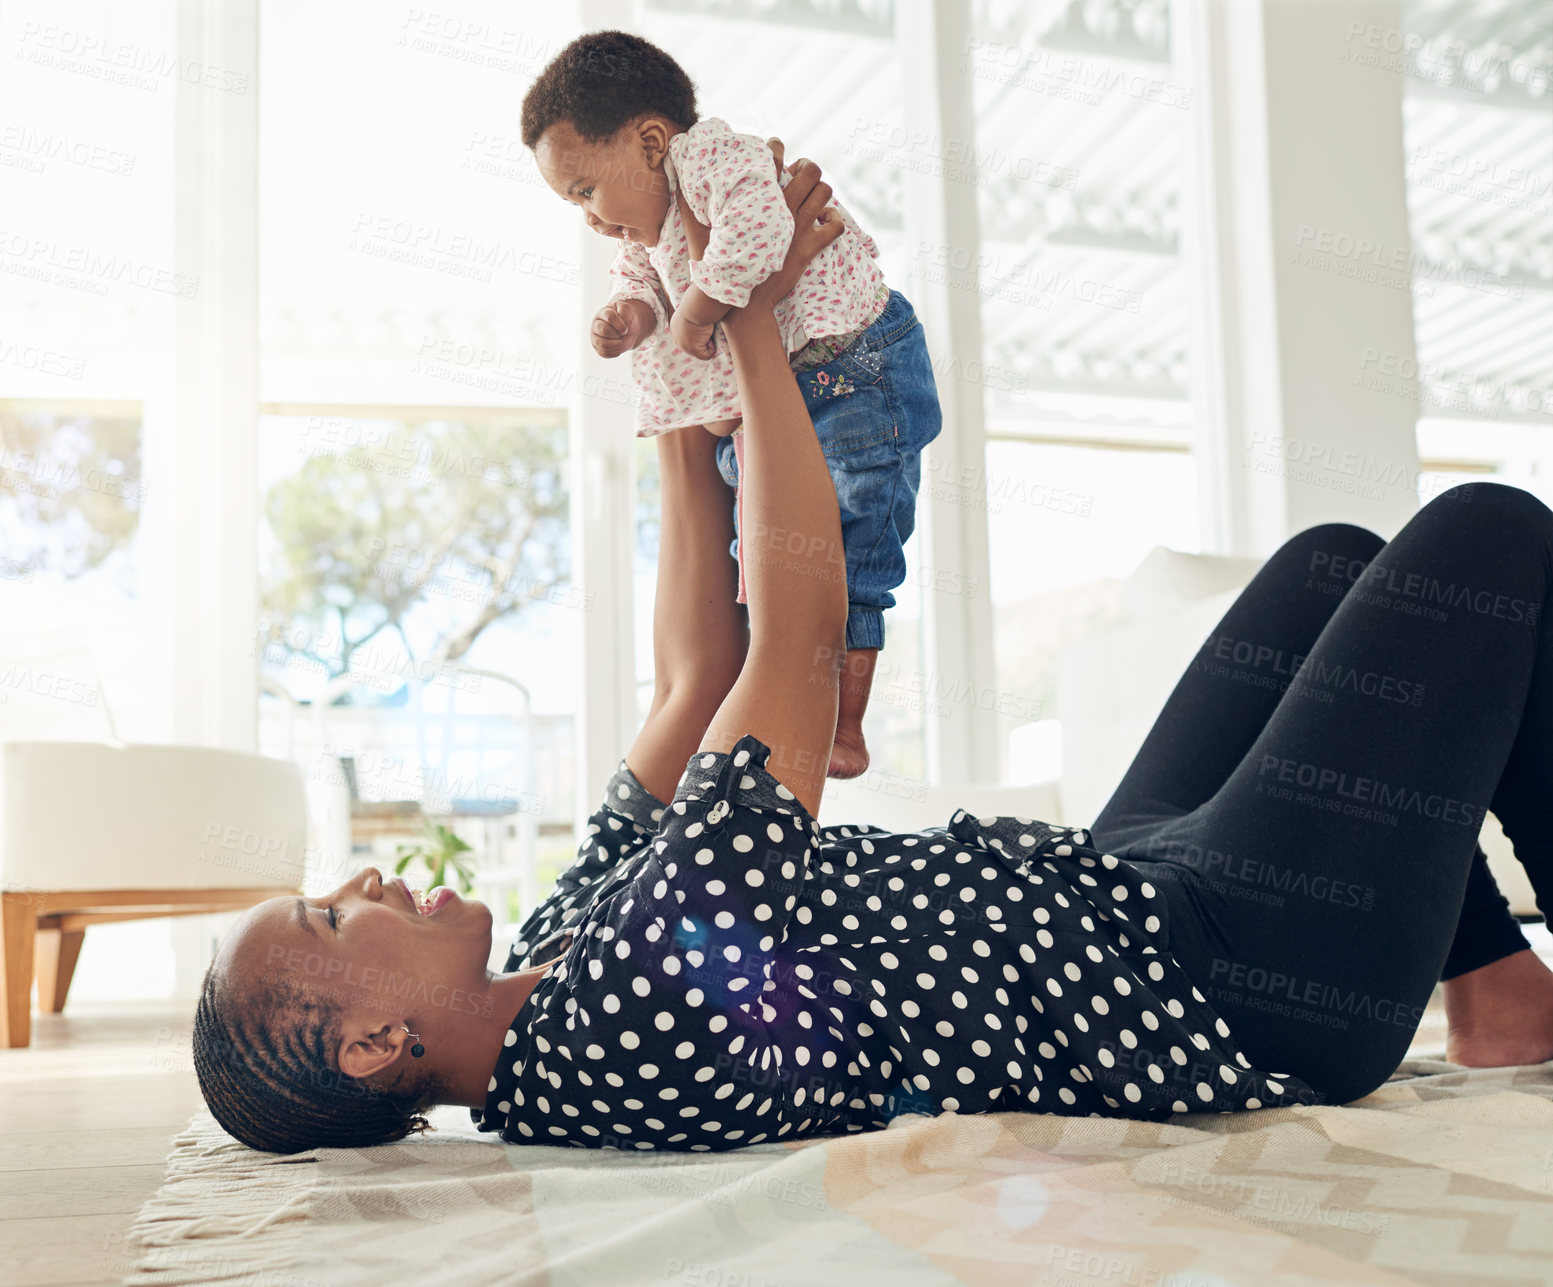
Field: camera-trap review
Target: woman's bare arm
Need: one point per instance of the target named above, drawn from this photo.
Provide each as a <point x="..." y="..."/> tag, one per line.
<point x="700" y="634"/>
<point x="795" y="567"/>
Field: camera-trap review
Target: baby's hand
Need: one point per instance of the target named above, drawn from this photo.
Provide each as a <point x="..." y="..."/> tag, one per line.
<point x="695" y="340"/>
<point x="620" y="326"/>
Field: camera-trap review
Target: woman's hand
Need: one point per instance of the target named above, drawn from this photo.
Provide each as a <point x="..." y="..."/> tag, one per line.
<point x="815" y="226"/>
<point x="816" y="223"/>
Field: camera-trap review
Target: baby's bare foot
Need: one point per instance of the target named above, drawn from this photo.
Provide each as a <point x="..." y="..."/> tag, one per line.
<point x="1501" y="1015"/>
<point x="848" y="755"/>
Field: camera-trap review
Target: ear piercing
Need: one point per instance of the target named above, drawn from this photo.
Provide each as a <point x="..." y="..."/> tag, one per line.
<point x="417" y="1050"/>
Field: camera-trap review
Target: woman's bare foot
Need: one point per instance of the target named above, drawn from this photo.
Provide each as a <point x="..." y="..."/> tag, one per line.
<point x="848" y="755"/>
<point x="1501" y="1015"/>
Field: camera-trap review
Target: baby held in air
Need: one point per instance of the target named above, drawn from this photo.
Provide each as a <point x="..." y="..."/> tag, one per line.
<point x="613" y="125"/>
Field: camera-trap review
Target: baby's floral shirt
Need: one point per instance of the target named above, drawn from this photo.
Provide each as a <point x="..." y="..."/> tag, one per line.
<point x="730" y="183"/>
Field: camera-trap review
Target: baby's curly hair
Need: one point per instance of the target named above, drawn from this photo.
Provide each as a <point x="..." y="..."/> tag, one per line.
<point x="605" y="80"/>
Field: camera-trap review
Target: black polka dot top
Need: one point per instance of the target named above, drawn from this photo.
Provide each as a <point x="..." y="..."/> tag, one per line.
<point x="735" y="973"/>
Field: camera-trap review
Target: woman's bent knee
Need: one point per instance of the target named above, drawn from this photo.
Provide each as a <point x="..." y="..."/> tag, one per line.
<point x="1478" y="502"/>
<point x="1330" y="549"/>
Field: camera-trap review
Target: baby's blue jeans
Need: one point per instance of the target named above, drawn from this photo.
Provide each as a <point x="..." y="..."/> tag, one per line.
<point x="875" y="407"/>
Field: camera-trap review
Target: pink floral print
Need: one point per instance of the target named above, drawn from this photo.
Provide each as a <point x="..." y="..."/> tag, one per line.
<point x="730" y="183"/>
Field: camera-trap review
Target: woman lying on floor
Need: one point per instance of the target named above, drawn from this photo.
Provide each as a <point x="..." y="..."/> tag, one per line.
<point x="1257" y="919"/>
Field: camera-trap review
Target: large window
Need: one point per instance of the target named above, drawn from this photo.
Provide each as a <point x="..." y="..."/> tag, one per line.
<point x="420" y="298"/>
<point x="1478" y="85"/>
<point x="1077" y="160"/>
<point x="72" y="492"/>
<point x="417" y="634"/>
<point x="87" y="300"/>
<point x="1065" y="531"/>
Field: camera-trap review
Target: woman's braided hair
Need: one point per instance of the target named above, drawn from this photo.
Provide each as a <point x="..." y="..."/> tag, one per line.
<point x="603" y="81"/>
<point x="266" y="1068"/>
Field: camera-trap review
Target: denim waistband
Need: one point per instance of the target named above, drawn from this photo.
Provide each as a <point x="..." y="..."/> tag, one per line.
<point x="822" y="349"/>
<point x="895" y="320"/>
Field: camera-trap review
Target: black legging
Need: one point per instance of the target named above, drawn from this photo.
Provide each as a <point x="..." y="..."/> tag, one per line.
<point x="1316" y="833"/>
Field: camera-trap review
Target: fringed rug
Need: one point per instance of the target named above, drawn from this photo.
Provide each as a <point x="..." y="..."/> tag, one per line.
<point x="1443" y="1176"/>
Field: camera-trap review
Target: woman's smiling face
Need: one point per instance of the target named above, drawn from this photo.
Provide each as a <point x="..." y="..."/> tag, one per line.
<point x="366" y="944"/>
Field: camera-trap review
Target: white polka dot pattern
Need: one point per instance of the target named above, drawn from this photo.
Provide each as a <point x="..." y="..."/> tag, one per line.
<point x="738" y="975"/>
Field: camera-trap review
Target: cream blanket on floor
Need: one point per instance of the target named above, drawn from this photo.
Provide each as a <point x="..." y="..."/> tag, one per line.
<point x="1443" y="1176"/>
<point x="1440" y="1177"/>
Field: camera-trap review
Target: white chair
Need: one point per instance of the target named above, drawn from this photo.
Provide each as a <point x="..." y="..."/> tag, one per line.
<point x="93" y="831"/>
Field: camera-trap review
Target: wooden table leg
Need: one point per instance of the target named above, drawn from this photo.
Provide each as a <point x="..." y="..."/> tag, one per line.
<point x="18" y="927"/>
<point x="57" y="954"/>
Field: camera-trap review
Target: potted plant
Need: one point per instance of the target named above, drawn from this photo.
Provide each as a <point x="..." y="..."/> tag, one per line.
<point x="442" y="852"/>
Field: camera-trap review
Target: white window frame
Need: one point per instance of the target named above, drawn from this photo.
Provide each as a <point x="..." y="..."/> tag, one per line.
<point x="201" y="425"/>
<point x="1268" y="334"/>
<point x="963" y="742"/>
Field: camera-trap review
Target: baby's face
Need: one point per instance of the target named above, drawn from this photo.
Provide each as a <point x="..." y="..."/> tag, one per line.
<point x="618" y="182"/>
